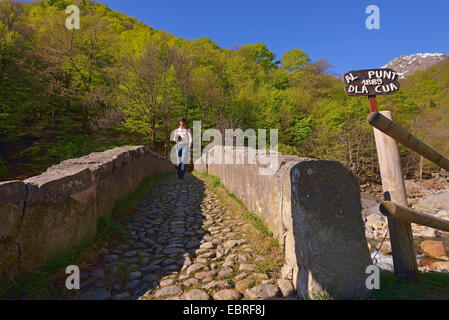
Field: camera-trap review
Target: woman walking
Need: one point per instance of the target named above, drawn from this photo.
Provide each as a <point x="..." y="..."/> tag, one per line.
<point x="183" y="139"/>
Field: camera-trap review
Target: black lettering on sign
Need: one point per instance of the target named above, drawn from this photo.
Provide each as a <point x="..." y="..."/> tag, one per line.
<point x="374" y="82"/>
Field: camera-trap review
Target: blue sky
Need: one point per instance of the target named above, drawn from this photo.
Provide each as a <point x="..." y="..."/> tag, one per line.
<point x="326" y="29"/>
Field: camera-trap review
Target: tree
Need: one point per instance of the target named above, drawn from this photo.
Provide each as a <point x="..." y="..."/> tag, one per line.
<point x="205" y="89"/>
<point x="117" y="81"/>
<point x="145" y="89"/>
<point x="8" y="49"/>
<point x="184" y="64"/>
<point x="294" y="60"/>
<point x="261" y="54"/>
<point x="10" y="13"/>
<point x="75" y="61"/>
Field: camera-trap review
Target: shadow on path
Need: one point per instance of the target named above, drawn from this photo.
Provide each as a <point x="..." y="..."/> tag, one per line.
<point x="166" y="231"/>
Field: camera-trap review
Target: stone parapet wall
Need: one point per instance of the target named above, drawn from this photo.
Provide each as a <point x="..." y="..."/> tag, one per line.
<point x="313" y="208"/>
<point x="59" y="209"/>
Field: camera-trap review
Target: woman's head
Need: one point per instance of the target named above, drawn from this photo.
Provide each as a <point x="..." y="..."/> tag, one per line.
<point x="182" y="122"/>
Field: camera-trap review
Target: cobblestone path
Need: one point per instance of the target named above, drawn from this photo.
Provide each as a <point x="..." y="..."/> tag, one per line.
<point x="185" y="244"/>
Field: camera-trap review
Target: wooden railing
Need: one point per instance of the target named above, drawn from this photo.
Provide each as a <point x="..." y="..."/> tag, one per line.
<point x="382" y="123"/>
<point x="395" y="208"/>
<point x="396" y="211"/>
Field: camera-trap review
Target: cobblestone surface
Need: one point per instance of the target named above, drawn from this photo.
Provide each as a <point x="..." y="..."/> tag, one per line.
<point x="183" y="244"/>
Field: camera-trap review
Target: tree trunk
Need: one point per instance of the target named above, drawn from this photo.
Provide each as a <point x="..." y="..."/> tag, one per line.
<point x="186" y="106"/>
<point x="421" y="164"/>
<point x="86" y="124"/>
<point x="153" y="133"/>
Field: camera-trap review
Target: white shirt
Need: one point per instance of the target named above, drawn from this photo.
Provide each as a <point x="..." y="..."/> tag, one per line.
<point x="185" y="135"/>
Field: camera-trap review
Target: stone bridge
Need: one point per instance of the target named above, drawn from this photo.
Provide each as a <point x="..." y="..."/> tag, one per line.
<point x="184" y="243"/>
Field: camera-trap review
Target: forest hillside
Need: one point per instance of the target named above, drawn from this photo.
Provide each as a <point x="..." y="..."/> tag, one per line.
<point x="116" y="81"/>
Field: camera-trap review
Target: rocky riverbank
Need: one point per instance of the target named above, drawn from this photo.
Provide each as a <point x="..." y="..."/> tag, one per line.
<point x="430" y="196"/>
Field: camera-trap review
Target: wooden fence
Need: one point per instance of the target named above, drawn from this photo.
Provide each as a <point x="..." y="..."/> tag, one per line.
<point x="395" y="207"/>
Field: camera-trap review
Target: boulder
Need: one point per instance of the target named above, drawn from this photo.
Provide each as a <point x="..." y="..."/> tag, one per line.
<point x="433" y="249"/>
<point x="286" y="288"/>
<point x="385" y="247"/>
<point x="433" y="203"/>
<point x="434" y="265"/>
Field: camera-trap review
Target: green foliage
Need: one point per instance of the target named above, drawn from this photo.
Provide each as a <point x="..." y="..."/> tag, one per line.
<point x="68" y="147"/>
<point x="267" y="266"/>
<point x="215" y="182"/>
<point x="117" y="81"/>
<point x="302" y="129"/>
<point x="109" y="231"/>
<point x="257" y="222"/>
<point x="285" y="149"/>
<point x="422" y="106"/>
<point x="3" y="169"/>
<point x="39" y="284"/>
<point x="261" y="54"/>
<point x="294" y="60"/>
<point x="255" y="219"/>
<point x="8" y="47"/>
<point x="429" y="286"/>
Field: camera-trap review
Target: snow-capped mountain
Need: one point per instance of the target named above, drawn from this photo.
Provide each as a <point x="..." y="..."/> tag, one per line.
<point x="407" y="65"/>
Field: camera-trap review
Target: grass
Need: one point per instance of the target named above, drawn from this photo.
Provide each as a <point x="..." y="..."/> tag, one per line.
<point x="41" y="283"/>
<point x="48" y="281"/>
<point x="247" y="215"/>
<point x="3" y="169"/>
<point x="317" y="296"/>
<point x="215" y="182"/>
<point x="429" y="286"/>
<point x="262" y="240"/>
<point x="109" y="231"/>
<point x="258" y="223"/>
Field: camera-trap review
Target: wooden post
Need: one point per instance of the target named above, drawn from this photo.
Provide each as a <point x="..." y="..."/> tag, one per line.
<point x="404" y="256"/>
<point x="373" y="104"/>
<point x="366" y="83"/>
<point x="421" y="165"/>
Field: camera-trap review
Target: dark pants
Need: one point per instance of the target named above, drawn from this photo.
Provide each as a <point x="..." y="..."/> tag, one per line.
<point x="181" y="167"/>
